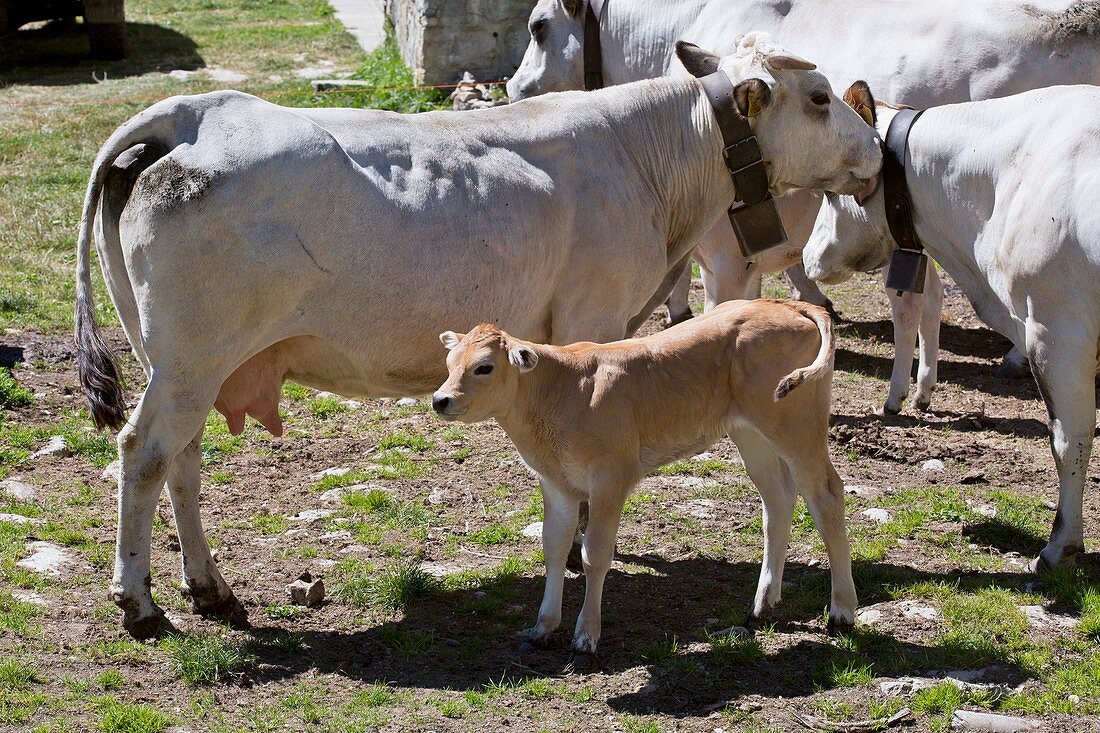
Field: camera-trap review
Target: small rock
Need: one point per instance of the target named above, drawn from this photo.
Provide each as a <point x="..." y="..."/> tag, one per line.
<point x="312" y="515"/>
<point x="29" y="596"/>
<point x="876" y="514"/>
<point x="697" y="508"/>
<point x="1051" y="505"/>
<point x="313" y="72"/>
<point x="17" y="489"/>
<point x="985" y="510"/>
<point x="905" y="685"/>
<point x="226" y="76"/>
<point x="406" y="402"/>
<point x="991" y="722"/>
<point x="351" y="404"/>
<point x="113" y="472"/>
<point x="533" y="530"/>
<point x="440" y="570"/>
<point x="323" y="395"/>
<point x="974" y="477"/>
<point x="704" y="456"/>
<point x="438" y="495"/>
<point x="293" y="532"/>
<point x="916" y="609"/>
<point x="932" y="465"/>
<point x="19" y="519"/>
<point x="338" y="535"/>
<point x="305" y="591"/>
<point x="869" y="616"/>
<point x="1040" y="618"/>
<point x="339" y="471"/>
<point x="48" y="559"/>
<point x="334" y="496"/>
<point x="274" y="78"/>
<point x="858" y="489"/>
<point x="1074" y="698"/>
<point x="181" y="74"/>
<point x="55" y="447"/>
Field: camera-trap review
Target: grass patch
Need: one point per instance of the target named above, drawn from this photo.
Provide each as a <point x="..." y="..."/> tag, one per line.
<point x="204" y="659"/>
<point x="386" y="71"/>
<point x="326" y="407"/>
<point x="117" y="717"/>
<point x="402" y="439"/>
<point x="12" y="394"/>
<point x="693" y="467"/>
<point x="372" y="501"/>
<point x="14" y="675"/>
<point x="393" y="589"/>
<point x="495" y="534"/>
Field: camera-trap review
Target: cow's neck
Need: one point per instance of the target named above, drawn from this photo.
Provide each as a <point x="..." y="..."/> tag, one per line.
<point x="637" y="36"/>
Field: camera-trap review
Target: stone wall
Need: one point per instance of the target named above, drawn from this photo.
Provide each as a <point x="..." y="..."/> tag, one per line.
<point x="440" y="39"/>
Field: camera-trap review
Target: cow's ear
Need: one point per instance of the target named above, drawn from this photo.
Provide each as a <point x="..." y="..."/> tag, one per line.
<point x="522" y="357"/>
<point x="450" y="339"/>
<point x="573" y="7"/>
<point x="752" y="96"/>
<point x="859" y="97"/>
<point x="697" y="61"/>
<point x="788" y="62"/>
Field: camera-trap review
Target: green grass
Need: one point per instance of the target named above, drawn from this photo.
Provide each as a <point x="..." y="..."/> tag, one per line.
<point x="326" y="407"/>
<point x="372" y="501"/>
<point x="12" y="394"/>
<point x="117" y="717"/>
<point x="14" y="675"/>
<point x="384" y="68"/>
<point x="204" y="659"/>
<point x="692" y="467"/>
<point x="392" y="589"/>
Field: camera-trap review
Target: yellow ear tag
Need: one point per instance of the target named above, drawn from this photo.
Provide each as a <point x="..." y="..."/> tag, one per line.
<point x="754" y="106"/>
<point x="865" y="112"/>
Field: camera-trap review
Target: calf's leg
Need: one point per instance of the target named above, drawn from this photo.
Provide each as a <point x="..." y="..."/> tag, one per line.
<point x="202" y="583"/>
<point x="558" y="525"/>
<point x="1063" y="361"/>
<point x="597" y="552"/>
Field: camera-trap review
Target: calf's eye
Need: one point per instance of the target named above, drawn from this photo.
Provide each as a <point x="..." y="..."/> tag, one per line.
<point x="484" y="369"/>
<point x="820" y="98"/>
<point x="538" y="30"/>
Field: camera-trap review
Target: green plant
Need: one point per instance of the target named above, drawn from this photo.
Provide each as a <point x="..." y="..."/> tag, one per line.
<point x="12" y="394"/>
<point x="204" y="659"/>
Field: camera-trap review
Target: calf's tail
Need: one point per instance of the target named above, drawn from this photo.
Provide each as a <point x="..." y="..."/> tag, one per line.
<point x="823" y="364"/>
<point x="158" y="128"/>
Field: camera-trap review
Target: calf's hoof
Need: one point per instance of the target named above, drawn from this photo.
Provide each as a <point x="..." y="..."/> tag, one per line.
<point x="147" y="627"/>
<point x="838" y="626"/>
<point x="583" y="662"/>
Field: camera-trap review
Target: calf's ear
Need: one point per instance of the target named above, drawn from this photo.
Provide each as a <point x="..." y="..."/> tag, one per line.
<point x="697" y="61"/>
<point x="859" y="97"/>
<point x="522" y="358"/>
<point x="450" y="339"/>
<point x="752" y="95"/>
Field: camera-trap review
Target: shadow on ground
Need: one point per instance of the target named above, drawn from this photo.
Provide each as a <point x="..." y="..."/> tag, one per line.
<point x="56" y="54"/>
<point x="652" y="622"/>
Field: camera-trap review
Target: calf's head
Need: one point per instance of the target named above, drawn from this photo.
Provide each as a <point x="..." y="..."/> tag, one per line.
<point x="554" y="60"/>
<point x="483" y="369"/>
<point x="808" y="137"/>
<point x="851" y="234"/>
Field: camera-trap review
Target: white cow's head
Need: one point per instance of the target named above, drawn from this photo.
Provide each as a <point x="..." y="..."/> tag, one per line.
<point x="483" y="368"/>
<point x="809" y="138"/>
<point x="851" y="234"/>
<point x="554" y="60"/>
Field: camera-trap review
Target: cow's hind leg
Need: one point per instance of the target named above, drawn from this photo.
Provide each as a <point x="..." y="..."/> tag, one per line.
<point x="777" y="498"/>
<point x="928" y="333"/>
<point x="1065" y="378"/>
<point x="202" y="583"/>
<point x="166" y="418"/>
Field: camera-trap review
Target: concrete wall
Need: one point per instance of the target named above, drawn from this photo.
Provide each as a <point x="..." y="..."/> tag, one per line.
<point x="440" y="39"/>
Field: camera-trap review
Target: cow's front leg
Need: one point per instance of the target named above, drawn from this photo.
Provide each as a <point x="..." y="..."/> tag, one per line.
<point x="679" y="309"/>
<point x="928" y="333"/>
<point x="598" y="551"/>
<point x="558" y="525"/>
<point x="1065" y="378"/>
<point x="201" y="582"/>
<point x="806" y="290"/>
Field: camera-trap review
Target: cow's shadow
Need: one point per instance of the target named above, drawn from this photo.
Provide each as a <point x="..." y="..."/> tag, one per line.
<point x="56" y="54"/>
<point x="654" y="622"/>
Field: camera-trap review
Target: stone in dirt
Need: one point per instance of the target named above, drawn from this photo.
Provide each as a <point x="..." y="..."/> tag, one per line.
<point x="934" y="465"/>
<point x="305" y="591"/>
<point x="698" y="508"/>
<point x="533" y="530"/>
<point x="19" y="519"/>
<point x="1041" y="618"/>
<point x="336" y="496"/>
<point x="438" y="495"/>
<point x="17" y="489"/>
<point x="338" y="471"/>
<point x="991" y="722"/>
<point x="916" y="609"/>
<point x="181" y="74"/>
<point x="440" y="570"/>
<point x="112" y="472"/>
<point x="876" y="514"/>
<point x="312" y="515"/>
<point x="226" y="76"/>
<point x="406" y="402"/>
<point x="869" y="616"/>
<point x="29" y="596"/>
<point x="47" y="559"/>
<point x="55" y="447"/>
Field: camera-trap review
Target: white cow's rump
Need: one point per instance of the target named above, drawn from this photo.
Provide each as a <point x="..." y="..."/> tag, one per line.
<point x="245" y="243"/>
<point x="1004" y="198"/>
<point x="594" y="419"/>
<point x="919" y="53"/>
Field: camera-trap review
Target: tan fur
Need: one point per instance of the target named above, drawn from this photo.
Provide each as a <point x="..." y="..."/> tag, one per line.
<point x="594" y="419"/>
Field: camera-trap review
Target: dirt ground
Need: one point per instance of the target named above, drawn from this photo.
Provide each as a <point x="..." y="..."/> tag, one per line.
<point x="688" y="560"/>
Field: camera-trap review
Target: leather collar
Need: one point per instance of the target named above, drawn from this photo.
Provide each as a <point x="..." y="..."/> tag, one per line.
<point x="756" y="221"/>
<point x="908" y="263"/>
<point x="593" y="52"/>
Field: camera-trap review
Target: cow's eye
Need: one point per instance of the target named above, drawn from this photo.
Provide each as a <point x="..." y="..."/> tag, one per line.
<point x="538" y="30"/>
<point x="484" y="369"/>
<point x="820" y="98"/>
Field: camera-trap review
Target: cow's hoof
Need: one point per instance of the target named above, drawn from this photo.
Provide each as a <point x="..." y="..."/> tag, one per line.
<point x="229" y="610"/>
<point x="575" y="562"/>
<point x="678" y="319"/>
<point x="1012" y="370"/>
<point x="148" y="627"/>
<point x="833" y="312"/>
<point x="839" y="626"/>
<point x="887" y="410"/>
<point x="1041" y="565"/>
<point x="583" y="663"/>
<point x="920" y="404"/>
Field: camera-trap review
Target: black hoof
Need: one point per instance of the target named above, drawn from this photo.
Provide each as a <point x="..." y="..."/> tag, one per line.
<point x="583" y="663"/>
<point x="839" y="627"/>
<point x="921" y="405"/>
<point x="889" y="411"/>
<point x="148" y="627"/>
<point x="207" y="604"/>
<point x="1008" y="370"/>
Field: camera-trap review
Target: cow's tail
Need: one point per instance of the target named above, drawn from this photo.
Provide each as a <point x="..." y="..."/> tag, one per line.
<point x="823" y="364"/>
<point x="158" y="128"/>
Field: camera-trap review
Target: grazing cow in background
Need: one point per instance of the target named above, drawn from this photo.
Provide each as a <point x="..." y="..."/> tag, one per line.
<point x="594" y="419"/>
<point x="245" y="243"/>
<point x="919" y="53"/>
<point x="1004" y="198"/>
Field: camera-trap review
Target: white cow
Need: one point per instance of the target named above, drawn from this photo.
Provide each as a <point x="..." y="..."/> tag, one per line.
<point x="916" y="53"/>
<point x="245" y="243"/>
<point x="1004" y="197"/>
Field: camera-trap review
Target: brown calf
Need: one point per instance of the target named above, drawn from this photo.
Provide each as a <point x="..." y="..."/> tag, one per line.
<point x="594" y="419"/>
